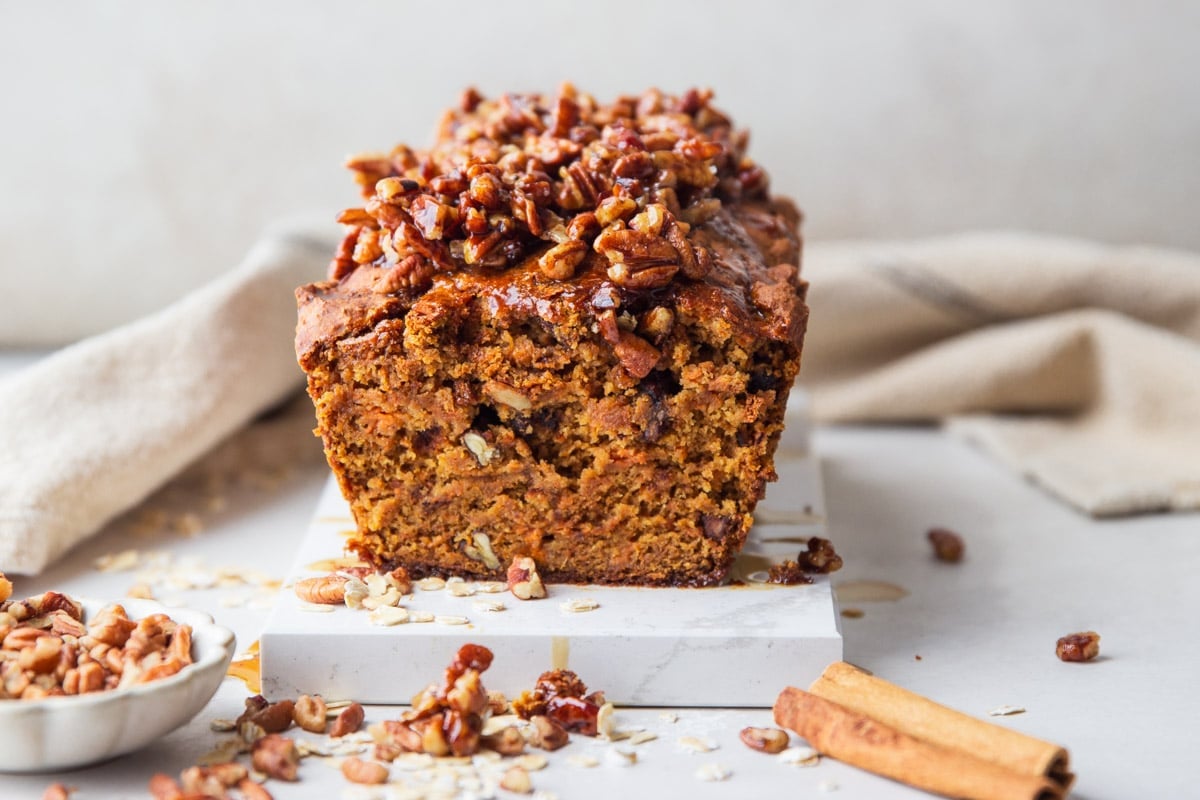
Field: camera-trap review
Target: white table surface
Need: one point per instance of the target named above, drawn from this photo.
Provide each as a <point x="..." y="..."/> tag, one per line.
<point x="984" y="629"/>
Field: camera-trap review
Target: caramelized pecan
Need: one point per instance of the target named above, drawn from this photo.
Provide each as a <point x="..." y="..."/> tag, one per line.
<point x="1078" y="646"/>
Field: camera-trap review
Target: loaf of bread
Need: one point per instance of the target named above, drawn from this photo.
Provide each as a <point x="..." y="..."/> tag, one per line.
<point x="566" y="331"/>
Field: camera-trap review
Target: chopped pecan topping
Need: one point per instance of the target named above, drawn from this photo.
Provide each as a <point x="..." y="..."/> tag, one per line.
<point x="520" y="174"/>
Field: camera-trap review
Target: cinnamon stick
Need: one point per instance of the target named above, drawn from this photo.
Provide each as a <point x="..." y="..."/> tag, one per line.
<point x="930" y="722"/>
<point x="860" y="741"/>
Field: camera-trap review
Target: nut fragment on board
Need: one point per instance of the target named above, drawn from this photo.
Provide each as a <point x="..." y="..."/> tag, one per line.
<point x="523" y="579"/>
<point x="324" y="590"/>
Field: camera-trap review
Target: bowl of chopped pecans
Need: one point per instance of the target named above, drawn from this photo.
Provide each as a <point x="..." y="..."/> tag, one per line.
<point x="82" y="681"/>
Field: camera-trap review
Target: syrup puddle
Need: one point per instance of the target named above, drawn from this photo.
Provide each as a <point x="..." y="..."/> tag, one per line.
<point x="868" y="592"/>
<point x="247" y="668"/>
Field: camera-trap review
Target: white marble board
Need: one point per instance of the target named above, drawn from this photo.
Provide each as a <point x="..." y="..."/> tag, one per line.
<point x="729" y="646"/>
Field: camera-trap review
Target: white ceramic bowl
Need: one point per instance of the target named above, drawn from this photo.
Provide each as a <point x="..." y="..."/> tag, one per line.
<point x="65" y="732"/>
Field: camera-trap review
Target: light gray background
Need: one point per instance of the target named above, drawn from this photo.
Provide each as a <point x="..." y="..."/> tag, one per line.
<point x="144" y="145"/>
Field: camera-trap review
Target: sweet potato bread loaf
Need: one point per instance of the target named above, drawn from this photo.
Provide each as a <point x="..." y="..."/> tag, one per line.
<point x="566" y="331"/>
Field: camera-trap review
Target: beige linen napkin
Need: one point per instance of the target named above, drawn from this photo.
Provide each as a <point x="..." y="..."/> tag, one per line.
<point x="1075" y="363"/>
<point x="95" y="428"/>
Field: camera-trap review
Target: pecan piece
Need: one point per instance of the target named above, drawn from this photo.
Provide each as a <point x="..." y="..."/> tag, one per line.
<point x="270" y="717"/>
<point x="947" y="545"/>
<point x="112" y="626"/>
<point x="635" y="249"/>
<point x="637" y="356"/>
<point x="658" y="323"/>
<point x="325" y="590"/>
<point x="164" y="787"/>
<point x="559" y="683"/>
<point x="560" y="261"/>
<point x="212" y="780"/>
<point x="523" y="579"/>
<point x="276" y="756"/>
<point x="356" y="770"/>
<point x="43" y="656"/>
<point x="820" y="557"/>
<point x="507" y="741"/>
<point x="765" y="740"/>
<point x="497" y="702"/>
<point x="252" y="791"/>
<point x="309" y="713"/>
<point x="348" y="721"/>
<point x="1078" y="646"/>
<point x="547" y="733"/>
<point x="58" y="791"/>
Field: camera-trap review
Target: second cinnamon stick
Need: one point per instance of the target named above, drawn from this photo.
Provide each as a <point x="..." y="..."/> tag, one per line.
<point x="860" y="741"/>
<point x="931" y="722"/>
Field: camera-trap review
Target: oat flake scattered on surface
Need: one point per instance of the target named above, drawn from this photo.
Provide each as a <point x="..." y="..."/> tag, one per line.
<point x="579" y="604"/>
<point x="800" y="756"/>
<point x="1005" y="711"/>
<point x="489" y="605"/>
<point x="694" y="744"/>
<point x="713" y="772"/>
<point x="315" y="608"/>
